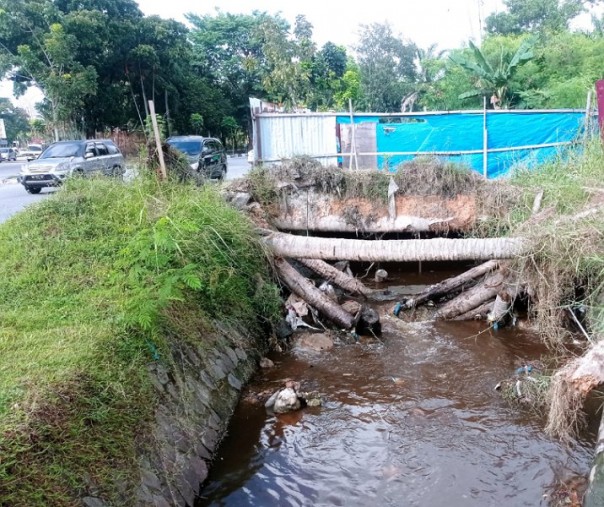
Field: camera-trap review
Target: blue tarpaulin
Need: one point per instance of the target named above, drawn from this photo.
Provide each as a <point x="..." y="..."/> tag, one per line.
<point x="447" y="133"/>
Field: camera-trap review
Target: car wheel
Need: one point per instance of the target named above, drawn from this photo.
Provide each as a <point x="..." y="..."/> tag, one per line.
<point x="223" y="173"/>
<point x="33" y="190"/>
<point x="117" y="172"/>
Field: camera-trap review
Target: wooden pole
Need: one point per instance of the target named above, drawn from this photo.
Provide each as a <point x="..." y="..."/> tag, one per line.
<point x="587" y="123"/>
<point x="353" y="140"/>
<point x="485" y="140"/>
<point x="160" y="152"/>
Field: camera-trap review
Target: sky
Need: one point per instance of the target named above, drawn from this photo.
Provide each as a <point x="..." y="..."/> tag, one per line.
<point x="448" y="23"/>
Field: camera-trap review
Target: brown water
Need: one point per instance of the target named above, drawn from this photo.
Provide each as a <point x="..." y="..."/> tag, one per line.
<point x="413" y="420"/>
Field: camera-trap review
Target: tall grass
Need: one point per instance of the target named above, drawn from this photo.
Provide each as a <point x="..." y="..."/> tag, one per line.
<point x="565" y="270"/>
<point x="92" y="281"/>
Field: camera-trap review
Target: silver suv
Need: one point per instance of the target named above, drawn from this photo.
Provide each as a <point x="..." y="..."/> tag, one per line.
<point x="66" y="158"/>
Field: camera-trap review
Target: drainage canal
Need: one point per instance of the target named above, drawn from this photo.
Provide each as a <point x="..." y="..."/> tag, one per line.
<point x="412" y="420"/>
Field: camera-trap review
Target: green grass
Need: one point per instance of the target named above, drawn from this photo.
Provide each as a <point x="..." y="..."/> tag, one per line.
<point x="92" y="282"/>
<point x="566" y="266"/>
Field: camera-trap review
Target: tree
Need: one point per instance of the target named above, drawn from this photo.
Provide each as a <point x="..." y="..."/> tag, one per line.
<point x="493" y="80"/>
<point x="564" y="69"/>
<point x="15" y="119"/>
<point x="350" y="86"/>
<point x="287" y="79"/>
<point x="37" y="50"/>
<point x="327" y="71"/>
<point x="524" y="16"/>
<point x="387" y="67"/>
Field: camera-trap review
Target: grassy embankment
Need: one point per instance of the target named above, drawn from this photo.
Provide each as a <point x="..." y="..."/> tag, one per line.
<point x="566" y="267"/>
<point x="92" y="282"/>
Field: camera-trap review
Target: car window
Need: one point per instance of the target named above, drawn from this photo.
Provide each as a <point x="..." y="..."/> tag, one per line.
<point x="192" y="148"/>
<point x="90" y="149"/>
<point x="218" y="145"/>
<point x="101" y="149"/>
<point x="62" y="150"/>
<point x="112" y="148"/>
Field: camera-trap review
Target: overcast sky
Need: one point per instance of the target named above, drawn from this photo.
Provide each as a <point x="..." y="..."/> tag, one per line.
<point x="448" y="23"/>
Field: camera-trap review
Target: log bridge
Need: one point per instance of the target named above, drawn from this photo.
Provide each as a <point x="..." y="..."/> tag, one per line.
<point x="295" y="228"/>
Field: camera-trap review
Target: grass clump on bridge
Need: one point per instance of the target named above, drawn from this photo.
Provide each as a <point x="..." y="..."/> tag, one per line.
<point x="89" y="279"/>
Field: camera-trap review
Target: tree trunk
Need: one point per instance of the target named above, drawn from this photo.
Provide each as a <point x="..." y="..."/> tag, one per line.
<point x="313" y="296"/>
<point x="472" y="298"/>
<point x="570" y="386"/>
<point x="439" y="249"/>
<point x="451" y="284"/>
<point x="479" y="313"/>
<point x="336" y="223"/>
<point x="336" y="276"/>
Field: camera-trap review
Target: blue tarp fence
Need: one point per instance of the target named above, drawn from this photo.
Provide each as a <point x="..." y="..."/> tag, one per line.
<point x="543" y="134"/>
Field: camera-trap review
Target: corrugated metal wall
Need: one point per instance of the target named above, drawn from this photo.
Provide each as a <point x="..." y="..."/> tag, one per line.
<point x="288" y="136"/>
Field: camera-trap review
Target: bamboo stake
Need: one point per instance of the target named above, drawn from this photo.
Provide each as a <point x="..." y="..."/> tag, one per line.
<point x="160" y="152"/>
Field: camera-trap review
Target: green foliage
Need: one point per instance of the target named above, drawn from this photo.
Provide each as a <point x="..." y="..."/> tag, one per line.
<point x="493" y="79"/>
<point x="161" y="126"/>
<point x="90" y="280"/>
<point x="350" y="87"/>
<point x="534" y="16"/>
<point x="567" y="247"/>
<point x="387" y="67"/>
<point x="15" y="120"/>
<point x="196" y="123"/>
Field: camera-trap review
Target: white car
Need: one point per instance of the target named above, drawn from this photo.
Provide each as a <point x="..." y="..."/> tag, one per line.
<point x="32" y="152"/>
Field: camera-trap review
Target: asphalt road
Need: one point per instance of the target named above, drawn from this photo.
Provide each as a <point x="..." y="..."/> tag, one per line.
<point x="14" y="198"/>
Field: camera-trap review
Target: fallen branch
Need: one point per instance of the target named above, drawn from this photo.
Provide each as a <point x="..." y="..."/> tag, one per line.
<point x="334" y="275"/>
<point x="313" y="296"/>
<point x="438" y="249"/>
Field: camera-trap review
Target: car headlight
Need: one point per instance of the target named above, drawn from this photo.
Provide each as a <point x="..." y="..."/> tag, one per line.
<point x="195" y="166"/>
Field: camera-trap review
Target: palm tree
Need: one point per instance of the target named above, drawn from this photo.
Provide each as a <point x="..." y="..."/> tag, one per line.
<point x="494" y="80"/>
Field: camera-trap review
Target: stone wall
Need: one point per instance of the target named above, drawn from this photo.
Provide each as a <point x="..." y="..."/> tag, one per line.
<point x="198" y="394"/>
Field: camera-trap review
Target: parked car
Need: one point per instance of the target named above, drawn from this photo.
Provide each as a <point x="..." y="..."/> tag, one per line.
<point x="66" y="158"/>
<point x="32" y="152"/>
<point x="8" y="154"/>
<point x="205" y="154"/>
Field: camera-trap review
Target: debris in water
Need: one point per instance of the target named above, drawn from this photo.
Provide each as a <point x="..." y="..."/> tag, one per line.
<point x="265" y="362"/>
<point x="397" y="309"/>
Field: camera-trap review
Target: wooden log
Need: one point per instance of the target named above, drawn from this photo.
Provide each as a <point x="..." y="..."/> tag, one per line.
<point x="313" y="296"/>
<point x="479" y="313"/>
<point x="334" y="275"/>
<point x="451" y="284"/>
<point x="472" y="298"/>
<point x="438" y="249"/>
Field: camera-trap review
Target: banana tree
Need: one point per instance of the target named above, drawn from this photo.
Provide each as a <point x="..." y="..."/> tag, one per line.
<point x="493" y="80"/>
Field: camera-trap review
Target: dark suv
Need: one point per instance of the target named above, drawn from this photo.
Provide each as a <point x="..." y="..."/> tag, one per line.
<point x="205" y="154"/>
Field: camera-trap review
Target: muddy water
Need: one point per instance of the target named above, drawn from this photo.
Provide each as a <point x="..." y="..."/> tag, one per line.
<point x="413" y="420"/>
